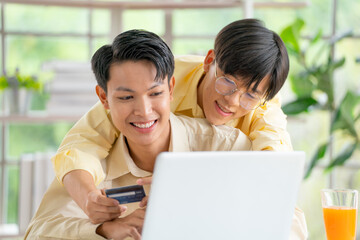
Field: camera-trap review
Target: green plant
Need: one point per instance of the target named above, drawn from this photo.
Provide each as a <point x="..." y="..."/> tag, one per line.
<point x="3" y="82"/>
<point x="28" y="82"/>
<point x="20" y="81"/>
<point x="314" y="88"/>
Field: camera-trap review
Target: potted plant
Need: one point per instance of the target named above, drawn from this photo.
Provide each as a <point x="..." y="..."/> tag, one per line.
<point x="314" y="88"/>
<point x="18" y="92"/>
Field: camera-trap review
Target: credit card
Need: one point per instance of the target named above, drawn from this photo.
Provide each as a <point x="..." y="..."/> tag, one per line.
<point x="127" y="194"/>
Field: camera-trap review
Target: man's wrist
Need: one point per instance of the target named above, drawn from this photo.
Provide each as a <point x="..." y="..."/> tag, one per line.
<point x="103" y="230"/>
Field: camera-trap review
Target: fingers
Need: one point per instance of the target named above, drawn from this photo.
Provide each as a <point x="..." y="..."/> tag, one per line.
<point x="136" y="219"/>
<point x="101" y="199"/>
<point x="99" y="208"/>
<point x="144" y="202"/>
<point x="124" y="231"/>
<point x="144" y="181"/>
<point x="102" y="214"/>
<point x="134" y="233"/>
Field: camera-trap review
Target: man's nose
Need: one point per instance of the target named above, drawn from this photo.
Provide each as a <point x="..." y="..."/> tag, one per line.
<point x="143" y="107"/>
<point x="233" y="99"/>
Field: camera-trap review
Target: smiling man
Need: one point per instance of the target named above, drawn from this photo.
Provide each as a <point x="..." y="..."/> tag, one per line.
<point x="235" y="84"/>
<point x="135" y="87"/>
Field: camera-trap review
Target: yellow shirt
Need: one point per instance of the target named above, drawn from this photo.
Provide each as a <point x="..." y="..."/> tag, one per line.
<point x="92" y="136"/>
<point x="58" y="216"/>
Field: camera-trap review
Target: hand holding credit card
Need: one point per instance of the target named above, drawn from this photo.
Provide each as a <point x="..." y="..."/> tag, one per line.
<point x="127" y="194"/>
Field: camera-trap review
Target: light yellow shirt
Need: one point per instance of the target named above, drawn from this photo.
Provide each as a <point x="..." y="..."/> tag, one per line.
<point x="58" y="216"/>
<point x="92" y="136"/>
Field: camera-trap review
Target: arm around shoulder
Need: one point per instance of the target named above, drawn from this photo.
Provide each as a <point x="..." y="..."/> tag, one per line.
<point x="87" y="142"/>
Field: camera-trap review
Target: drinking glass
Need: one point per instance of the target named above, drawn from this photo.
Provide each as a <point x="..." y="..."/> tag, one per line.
<point x="340" y="213"/>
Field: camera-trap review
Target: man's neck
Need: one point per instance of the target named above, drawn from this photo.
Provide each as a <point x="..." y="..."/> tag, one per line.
<point x="144" y="156"/>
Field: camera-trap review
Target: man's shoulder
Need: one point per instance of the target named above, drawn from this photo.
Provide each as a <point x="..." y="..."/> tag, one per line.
<point x="204" y="136"/>
<point x="202" y="126"/>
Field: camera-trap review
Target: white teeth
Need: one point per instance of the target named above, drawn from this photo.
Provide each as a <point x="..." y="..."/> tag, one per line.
<point x="222" y="109"/>
<point x="146" y="125"/>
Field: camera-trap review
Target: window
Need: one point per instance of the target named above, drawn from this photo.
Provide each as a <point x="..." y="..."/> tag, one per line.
<point x="35" y="34"/>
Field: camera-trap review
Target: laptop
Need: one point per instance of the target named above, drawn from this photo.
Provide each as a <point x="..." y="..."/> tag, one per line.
<point x="223" y="195"/>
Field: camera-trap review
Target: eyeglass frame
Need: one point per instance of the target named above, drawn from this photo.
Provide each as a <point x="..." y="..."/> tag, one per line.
<point x="235" y="90"/>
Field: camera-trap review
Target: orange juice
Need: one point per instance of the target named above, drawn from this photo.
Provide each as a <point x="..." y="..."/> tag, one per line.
<point x="340" y="223"/>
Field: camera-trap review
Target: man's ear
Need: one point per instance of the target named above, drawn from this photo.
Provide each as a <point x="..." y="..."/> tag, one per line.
<point x="209" y="59"/>
<point x="171" y="87"/>
<point x="102" y="96"/>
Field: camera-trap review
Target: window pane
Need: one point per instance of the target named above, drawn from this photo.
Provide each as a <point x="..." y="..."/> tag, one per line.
<point x="348" y="17"/>
<point x="310" y="202"/>
<point x="150" y="20"/>
<point x="99" y="42"/>
<point x="314" y="135"/>
<point x="1" y="5"/>
<point x="347" y="77"/>
<point x="203" y="22"/>
<point x="277" y="19"/>
<point x="1" y="63"/>
<point x="101" y="21"/>
<point x="356" y="185"/>
<point x="49" y="19"/>
<point x="28" y="53"/>
<point x="12" y="175"/>
<point x="192" y="46"/>
<point x="27" y="138"/>
<point x="2" y="207"/>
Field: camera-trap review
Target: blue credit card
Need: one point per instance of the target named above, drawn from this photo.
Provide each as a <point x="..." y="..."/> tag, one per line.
<point x="128" y="194"/>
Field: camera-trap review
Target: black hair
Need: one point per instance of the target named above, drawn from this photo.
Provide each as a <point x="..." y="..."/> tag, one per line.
<point x="247" y="49"/>
<point x="133" y="45"/>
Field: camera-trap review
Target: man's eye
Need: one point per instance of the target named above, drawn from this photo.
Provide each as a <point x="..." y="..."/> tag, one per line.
<point x="228" y="81"/>
<point x="156" y="93"/>
<point x="251" y="95"/>
<point x="125" y="98"/>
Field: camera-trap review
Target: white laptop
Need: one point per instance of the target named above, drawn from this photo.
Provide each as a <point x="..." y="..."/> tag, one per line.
<point x="223" y="195"/>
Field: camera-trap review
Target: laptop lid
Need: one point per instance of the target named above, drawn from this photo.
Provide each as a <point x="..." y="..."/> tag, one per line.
<point x="223" y="195"/>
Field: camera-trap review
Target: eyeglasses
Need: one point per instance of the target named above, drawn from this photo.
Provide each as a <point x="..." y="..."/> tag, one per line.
<point x="226" y="87"/>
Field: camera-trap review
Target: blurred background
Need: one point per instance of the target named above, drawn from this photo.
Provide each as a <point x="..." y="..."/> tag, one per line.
<point x="47" y="84"/>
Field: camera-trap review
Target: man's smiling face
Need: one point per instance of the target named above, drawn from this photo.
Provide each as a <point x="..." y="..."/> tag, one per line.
<point x="139" y="105"/>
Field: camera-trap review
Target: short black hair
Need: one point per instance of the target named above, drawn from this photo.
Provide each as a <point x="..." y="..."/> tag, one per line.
<point x="133" y="45"/>
<point x="247" y="49"/>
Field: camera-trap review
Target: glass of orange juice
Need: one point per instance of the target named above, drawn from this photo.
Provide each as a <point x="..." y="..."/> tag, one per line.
<point x="340" y="213"/>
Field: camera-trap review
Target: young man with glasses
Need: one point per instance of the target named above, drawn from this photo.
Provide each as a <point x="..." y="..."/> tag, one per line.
<point x="235" y="84"/>
<point x="135" y="87"/>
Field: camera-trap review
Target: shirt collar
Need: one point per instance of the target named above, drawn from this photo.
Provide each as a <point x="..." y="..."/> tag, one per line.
<point x="120" y="163"/>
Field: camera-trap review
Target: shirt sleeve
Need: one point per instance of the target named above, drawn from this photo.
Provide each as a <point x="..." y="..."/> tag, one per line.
<point x="266" y="127"/>
<point x="60" y="227"/>
<point x="59" y="217"/>
<point x="87" y="142"/>
<point x="298" y="227"/>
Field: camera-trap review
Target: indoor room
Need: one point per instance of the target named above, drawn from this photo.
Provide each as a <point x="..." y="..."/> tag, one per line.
<point x="47" y="84"/>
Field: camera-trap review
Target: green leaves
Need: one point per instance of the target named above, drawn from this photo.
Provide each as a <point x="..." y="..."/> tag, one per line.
<point x="291" y="36"/>
<point x="3" y="82"/>
<point x="344" y="155"/>
<point x="299" y="105"/>
<point x="347" y="114"/>
<point x="302" y="84"/>
<point x="28" y="82"/>
<point x="313" y="85"/>
<point x="319" y="154"/>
